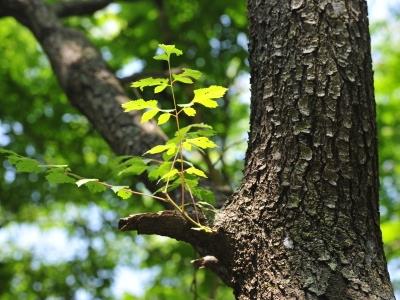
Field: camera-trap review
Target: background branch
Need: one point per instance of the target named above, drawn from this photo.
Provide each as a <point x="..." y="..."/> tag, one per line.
<point x="79" y="8"/>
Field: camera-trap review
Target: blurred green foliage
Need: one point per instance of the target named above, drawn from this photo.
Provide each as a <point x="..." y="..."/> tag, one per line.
<point x="36" y="120"/>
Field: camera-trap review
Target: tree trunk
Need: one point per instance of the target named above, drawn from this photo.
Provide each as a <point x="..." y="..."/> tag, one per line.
<point x="305" y="222"/>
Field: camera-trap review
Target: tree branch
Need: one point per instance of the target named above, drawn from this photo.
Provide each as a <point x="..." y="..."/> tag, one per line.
<point x="79" y="8"/>
<point x="168" y="223"/>
<point x="83" y="75"/>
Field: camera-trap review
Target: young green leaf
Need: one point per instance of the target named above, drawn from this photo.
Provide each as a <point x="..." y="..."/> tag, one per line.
<point x="148" y="115"/>
<point x="207" y="96"/>
<point x="161" y="57"/>
<point x="187" y="146"/>
<point x="160" y="88"/>
<point x="58" y="176"/>
<point x="133" y="166"/>
<point x="163" y="118"/>
<point x="203" y="194"/>
<point x="95" y="187"/>
<point x="170" y="49"/>
<point x="124" y="193"/>
<point x="150" y="81"/>
<point x="191" y="112"/>
<point x="172" y="173"/>
<point x="139" y="104"/>
<point x="156" y="172"/>
<point x="160" y="148"/>
<point x="195" y="171"/>
<point x="24" y="164"/>
<point x="191" y="73"/>
<point x="181" y="78"/>
<point x="117" y="188"/>
<point x="202" y="142"/>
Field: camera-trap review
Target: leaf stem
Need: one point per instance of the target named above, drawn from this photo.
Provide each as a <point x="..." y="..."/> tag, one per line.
<point x="180" y="143"/>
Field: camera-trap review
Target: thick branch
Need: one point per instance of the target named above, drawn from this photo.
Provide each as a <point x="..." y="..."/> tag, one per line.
<point x="79" y="8"/>
<point x="89" y="84"/>
<point x="166" y="223"/>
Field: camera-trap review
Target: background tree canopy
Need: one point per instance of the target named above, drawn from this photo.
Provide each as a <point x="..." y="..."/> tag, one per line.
<point x="59" y="242"/>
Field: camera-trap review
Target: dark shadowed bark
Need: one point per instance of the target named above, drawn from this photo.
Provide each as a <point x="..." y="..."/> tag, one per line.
<point x="305" y="222"/>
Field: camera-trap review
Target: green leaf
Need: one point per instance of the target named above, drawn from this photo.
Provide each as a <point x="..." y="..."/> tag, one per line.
<point x="207" y="102"/>
<point x="133" y="166"/>
<point x="139" y="105"/>
<point x="191" y="73"/>
<point x="84" y="181"/>
<point x="170" y="49"/>
<point x="163" y="118"/>
<point x="195" y="171"/>
<point x="161" y="57"/>
<point x="207" y="96"/>
<point x="180" y="134"/>
<point x="156" y="172"/>
<point x="170" y="174"/>
<point x="150" y="81"/>
<point x="181" y="78"/>
<point x="203" y="194"/>
<point x="187" y="146"/>
<point x="172" y="149"/>
<point x="390" y="231"/>
<point x="189" y="111"/>
<point x="160" y="88"/>
<point x="7" y="152"/>
<point x="57" y="177"/>
<point x="202" y="142"/>
<point x="124" y="194"/>
<point x="117" y="188"/>
<point x="148" y="115"/>
<point x="95" y="187"/>
<point x="24" y="164"/>
<point x="158" y="149"/>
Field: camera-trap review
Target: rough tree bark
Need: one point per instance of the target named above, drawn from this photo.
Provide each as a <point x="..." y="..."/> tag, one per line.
<point x="305" y="222"/>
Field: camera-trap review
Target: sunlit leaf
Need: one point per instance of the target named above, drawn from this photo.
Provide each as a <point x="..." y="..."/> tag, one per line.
<point x="161" y="57"/>
<point x="163" y="118"/>
<point x="160" y="88"/>
<point x="117" y="188"/>
<point x="170" y="174"/>
<point x="124" y="193"/>
<point x="189" y="111"/>
<point x="159" y="149"/>
<point x="202" y="142"/>
<point x="195" y="171"/>
<point x="150" y="81"/>
<point x="170" y="49"/>
<point x="181" y="78"/>
<point x="148" y="115"/>
<point x="207" y="96"/>
<point x="191" y="73"/>
<point x="139" y="105"/>
<point x="187" y="146"/>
